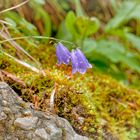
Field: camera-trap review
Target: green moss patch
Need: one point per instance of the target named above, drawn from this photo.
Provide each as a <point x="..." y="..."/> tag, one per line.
<point x="96" y="105"/>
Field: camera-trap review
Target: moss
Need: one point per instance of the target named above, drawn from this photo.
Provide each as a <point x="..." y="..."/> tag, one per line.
<point x="108" y="108"/>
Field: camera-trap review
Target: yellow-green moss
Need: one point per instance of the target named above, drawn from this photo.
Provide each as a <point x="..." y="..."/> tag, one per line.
<point x="107" y="107"/>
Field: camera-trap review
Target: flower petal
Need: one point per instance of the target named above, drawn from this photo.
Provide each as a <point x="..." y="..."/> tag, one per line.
<point x="74" y="62"/>
<point x="82" y="57"/>
<point x="82" y="62"/>
<point x="62" y="53"/>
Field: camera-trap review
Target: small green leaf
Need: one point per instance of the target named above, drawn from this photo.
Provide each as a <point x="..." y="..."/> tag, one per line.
<point x="12" y="22"/>
<point x="89" y="46"/>
<point x="79" y="9"/>
<point x="131" y="61"/>
<point x="111" y="49"/>
<point x="63" y="32"/>
<point x="93" y="26"/>
<point x="86" y="26"/>
<point x="70" y="21"/>
<point x="135" y="40"/>
<point x="80" y="25"/>
<point x="115" y="52"/>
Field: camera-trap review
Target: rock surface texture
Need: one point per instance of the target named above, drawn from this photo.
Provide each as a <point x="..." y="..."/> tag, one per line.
<point x="18" y="121"/>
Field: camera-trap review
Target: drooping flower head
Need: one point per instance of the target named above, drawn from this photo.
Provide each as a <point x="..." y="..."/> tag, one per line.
<point x="62" y="53"/>
<point x="79" y="62"/>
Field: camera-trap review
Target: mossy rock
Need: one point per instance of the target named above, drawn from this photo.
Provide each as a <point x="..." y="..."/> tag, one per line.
<point x="96" y="105"/>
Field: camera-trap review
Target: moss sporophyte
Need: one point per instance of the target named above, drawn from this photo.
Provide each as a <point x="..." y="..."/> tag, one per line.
<point x="76" y="57"/>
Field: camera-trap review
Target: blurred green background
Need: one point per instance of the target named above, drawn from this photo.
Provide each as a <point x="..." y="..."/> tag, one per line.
<point x="108" y="32"/>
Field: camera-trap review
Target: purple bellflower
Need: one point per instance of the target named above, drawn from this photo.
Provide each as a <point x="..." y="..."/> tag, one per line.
<point x="63" y="55"/>
<point x="79" y="62"/>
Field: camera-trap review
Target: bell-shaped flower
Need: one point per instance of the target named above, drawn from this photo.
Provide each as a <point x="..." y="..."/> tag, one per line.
<point x="74" y="62"/>
<point x="63" y="54"/>
<point x="79" y="62"/>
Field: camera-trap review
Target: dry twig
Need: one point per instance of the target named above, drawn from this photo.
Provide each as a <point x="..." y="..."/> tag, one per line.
<point x="14" y="7"/>
<point x="12" y="77"/>
<point x="52" y="98"/>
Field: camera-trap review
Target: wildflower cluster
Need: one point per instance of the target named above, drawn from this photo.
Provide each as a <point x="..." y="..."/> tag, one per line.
<point x="79" y="62"/>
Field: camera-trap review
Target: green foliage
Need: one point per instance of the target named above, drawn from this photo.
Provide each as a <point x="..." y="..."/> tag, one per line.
<point x="107" y="107"/>
<point x="41" y="15"/>
<point x="132" y="134"/>
<point x="116" y="53"/>
<point x="111" y="51"/>
<point x="70" y="21"/>
<point x="81" y="26"/>
<point x="108" y="55"/>
<point x="78" y="27"/>
<point x="86" y="27"/>
<point x="135" y="40"/>
<point x="20" y="24"/>
<point x="128" y="10"/>
<point x="79" y="9"/>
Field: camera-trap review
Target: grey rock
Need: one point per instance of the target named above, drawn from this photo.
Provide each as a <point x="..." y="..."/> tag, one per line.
<point x="78" y="137"/>
<point x="26" y="123"/>
<point x="19" y="121"/>
<point x="27" y="112"/>
<point x="42" y="134"/>
<point x="5" y="103"/>
<point x="6" y="110"/>
<point x="3" y="116"/>
<point x="9" y="137"/>
<point x="68" y="130"/>
<point x="54" y="131"/>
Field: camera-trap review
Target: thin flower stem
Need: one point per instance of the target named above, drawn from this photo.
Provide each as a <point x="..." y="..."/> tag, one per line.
<point x="38" y="37"/>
